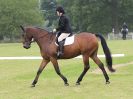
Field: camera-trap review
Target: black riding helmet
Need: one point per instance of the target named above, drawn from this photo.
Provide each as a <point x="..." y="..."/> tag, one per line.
<point x="60" y="9"/>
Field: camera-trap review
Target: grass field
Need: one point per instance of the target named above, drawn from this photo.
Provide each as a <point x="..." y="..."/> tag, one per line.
<point x="17" y="75"/>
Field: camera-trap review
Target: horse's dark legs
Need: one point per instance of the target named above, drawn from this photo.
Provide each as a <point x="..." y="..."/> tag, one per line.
<point x="42" y="66"/>
<point x="124" y="33"/>
<point x="101" y="66"/>
<point x="86" y="67"/>
<point x="56" y="67"/>
<point x="124" y="36"/>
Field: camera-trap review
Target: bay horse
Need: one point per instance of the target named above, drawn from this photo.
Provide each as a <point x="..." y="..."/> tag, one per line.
<point x="85" y="44"/>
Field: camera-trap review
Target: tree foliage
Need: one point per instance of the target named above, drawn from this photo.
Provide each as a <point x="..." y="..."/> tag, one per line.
<point x="14" y="13"/>
<point x="99" y="15"/>
<point x="85" y="15"/>
<point x="48" y="9"/>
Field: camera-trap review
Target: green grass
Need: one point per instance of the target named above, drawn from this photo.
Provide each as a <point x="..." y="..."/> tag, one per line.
<point x="17" y="75"/>
<point x="16" y="49"/>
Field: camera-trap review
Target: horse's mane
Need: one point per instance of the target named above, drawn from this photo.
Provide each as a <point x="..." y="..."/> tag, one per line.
<point x="43" y="29"/>
<point x="51" y="34"/>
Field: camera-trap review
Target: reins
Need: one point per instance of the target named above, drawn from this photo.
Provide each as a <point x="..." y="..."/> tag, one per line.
<point x="45" y="35"/>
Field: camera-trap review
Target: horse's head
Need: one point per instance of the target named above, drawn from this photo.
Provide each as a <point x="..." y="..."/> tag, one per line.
<point x="26" y="37"/>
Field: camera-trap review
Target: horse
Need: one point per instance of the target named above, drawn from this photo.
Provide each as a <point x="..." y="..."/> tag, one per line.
<point x="124" y="33"/>
<point x="85" y="44"/>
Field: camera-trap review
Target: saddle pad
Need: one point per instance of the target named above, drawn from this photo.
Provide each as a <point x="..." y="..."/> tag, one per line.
<point x="68" y="41"/>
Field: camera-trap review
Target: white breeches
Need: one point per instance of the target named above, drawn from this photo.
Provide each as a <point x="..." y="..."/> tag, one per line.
<point x="63" y="36"/>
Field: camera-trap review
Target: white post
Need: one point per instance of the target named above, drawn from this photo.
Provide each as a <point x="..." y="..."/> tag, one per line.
<point x="132" y="35"/>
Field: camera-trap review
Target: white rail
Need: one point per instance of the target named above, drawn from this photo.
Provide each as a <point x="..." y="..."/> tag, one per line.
<point x="38" y="57"/>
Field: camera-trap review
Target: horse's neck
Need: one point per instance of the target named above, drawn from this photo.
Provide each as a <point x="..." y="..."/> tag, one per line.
<point x="44" y="39"/>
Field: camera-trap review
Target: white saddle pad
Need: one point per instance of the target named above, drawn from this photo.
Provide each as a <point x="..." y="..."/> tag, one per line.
<point x="68" y="41"/>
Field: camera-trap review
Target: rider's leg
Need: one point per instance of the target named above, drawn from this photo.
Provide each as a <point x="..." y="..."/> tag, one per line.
<point x="61" y="48"/>
<point x="61" y="43"/>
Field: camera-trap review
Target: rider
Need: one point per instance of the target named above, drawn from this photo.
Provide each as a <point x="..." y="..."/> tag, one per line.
<point x="124" y="26"/>
<point x="64" y="29"/>
<point x="124" y="31"/>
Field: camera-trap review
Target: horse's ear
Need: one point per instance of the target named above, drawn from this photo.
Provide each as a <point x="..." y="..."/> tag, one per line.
<point x="22" y="28"/>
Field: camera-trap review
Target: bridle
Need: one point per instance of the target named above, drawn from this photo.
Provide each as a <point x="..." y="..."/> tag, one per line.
<point x="37" y="38"/>
<point x="34" y="39"/>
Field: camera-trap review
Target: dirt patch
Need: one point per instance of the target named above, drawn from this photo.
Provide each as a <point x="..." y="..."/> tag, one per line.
<point x="98" y="71"/>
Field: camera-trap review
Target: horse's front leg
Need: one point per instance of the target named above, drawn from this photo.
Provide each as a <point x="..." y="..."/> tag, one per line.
<point x="56" y="67"/>
<point x="42" y="66"/>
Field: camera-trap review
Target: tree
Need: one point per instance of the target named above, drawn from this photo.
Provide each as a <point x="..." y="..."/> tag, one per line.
<point x="99" y="15"/>
<point x="48" y="8"/>
<point x="14" y="13"/>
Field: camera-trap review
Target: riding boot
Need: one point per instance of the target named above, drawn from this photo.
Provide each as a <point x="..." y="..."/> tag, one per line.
<point x="61" y="48"/>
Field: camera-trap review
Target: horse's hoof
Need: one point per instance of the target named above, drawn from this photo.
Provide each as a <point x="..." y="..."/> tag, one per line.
<point x="32" y="85"/>
<point x="107" y="82"/>
<point x="77" y="83"/>
<point x="66" y="84"/>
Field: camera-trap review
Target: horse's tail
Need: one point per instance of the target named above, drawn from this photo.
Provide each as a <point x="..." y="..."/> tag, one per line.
<point x="106" y="52"/>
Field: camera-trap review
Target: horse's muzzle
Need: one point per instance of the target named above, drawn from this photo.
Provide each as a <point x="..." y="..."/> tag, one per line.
<point x="26" y="47"/>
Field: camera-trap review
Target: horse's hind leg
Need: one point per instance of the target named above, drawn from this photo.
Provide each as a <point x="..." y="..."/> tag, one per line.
<point x="101" y="66"/>
<point x="42" y="66"/>
<point x="86" y="67"/>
